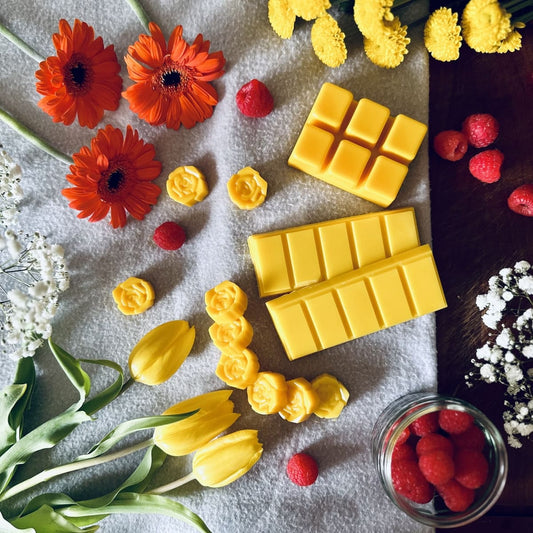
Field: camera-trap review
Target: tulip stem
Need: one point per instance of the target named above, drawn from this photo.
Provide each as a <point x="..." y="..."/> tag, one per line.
<point x="138" y="9"/>
<point x="16" y="40"/>
<point x="51" y="473"/>
<point x="174" y="485"/>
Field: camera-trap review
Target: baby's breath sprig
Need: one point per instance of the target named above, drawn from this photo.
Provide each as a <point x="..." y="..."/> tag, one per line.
<point x="10" y="190"/>
<point x="507" y="357"/>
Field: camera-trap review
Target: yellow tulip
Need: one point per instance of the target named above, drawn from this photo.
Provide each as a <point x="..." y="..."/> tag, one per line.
<point x="215" y="415"/>
<point x="158" y="355"/>
<point x="227" y="458"/>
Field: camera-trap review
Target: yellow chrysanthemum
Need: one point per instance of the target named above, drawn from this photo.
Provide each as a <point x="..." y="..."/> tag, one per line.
<point x="511" y="43"/>
<point x="328" y="41"/>
<point x="309" y="9"/>
<point x="442" y="35"/>
<point x="486" y="24"/>
<point x="281" y="18"/>
<point x="390" y="48"/>
<point x="370" y="15"/>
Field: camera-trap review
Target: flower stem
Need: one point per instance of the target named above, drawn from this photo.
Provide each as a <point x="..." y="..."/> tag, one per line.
<point x="173" y="485"/>
<point x="46" y="475"/>
<point x="33" y="138"/>
<point x="16" y="40"/>
<point x="140" y="12"/>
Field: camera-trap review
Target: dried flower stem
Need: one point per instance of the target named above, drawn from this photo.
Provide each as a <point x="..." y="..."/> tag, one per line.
<point x="173" y="485"/>
<point x="16" y="40"/>
<point x="140" y="12"/>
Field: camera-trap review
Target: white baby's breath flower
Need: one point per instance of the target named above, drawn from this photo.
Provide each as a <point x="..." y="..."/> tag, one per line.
<point x="10" y="189"/>
<point x="521" y="267"/>
<point x="527" y="351"/>
<point x="487" y="373"/>
<point x="505" y="338"/>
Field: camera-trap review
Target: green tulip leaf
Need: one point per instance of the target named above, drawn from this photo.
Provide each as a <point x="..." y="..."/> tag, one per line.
<point x="47" y="520"/>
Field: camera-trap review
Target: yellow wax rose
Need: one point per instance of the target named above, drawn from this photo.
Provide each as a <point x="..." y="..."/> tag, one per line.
<point x="302" y="400"/>
<point x="247" y="189"/>
<point x="332" y="394"/>
<point x="187" y="185"/>
<point x="268" y="393"/>
<point x="227" y="458"/>
<point x="233" y="337"/>
<point x="226" y="302"/>
<point x="238" y="370"/>
<point x="134" y="296"/>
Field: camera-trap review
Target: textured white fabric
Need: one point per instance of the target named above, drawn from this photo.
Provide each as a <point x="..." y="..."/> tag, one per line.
<point x="376" y="369"/>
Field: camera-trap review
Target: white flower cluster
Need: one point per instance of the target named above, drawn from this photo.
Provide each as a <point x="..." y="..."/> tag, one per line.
<point x="507" y="357"/>
<point x="10" y="189"/>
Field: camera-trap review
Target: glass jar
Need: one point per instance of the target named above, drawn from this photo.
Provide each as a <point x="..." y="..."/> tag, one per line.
<point x="398" y="416"/>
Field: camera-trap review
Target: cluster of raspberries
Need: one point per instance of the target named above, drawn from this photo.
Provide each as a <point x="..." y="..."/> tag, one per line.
<point x="479" y="131"/>
<point x="440" y="452"/>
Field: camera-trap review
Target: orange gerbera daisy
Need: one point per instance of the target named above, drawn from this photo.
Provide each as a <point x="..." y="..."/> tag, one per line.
<point x="171" y="82"/>
<point x="114" y="174"/>
<point x="82" y="79"/>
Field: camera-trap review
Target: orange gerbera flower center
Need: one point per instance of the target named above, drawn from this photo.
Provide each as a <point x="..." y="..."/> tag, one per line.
<point x="115" y="182"/>
<point x="170" y="78"/>
<point x="77" y="75"/>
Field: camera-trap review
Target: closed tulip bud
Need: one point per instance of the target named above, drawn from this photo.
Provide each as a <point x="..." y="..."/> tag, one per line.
<point x="158" y="355"/>
<point x="215" y="415"/>
<point x="223" y="460"/>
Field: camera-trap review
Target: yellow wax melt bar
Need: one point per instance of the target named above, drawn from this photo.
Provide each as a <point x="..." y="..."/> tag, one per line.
<point x="288" y="259"/>
<point x="357" y="145"/>
<point x="359" y="302"/>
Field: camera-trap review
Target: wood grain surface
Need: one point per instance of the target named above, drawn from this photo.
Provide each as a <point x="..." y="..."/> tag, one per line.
<point x="475" y="234"/>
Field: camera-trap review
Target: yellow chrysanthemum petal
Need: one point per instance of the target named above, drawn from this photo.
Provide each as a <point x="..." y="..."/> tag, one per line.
<point x="309" y="9"/>
<point x="389" y="50"/>
<point x="328" y="41"/>
<point x="281" y="18"/>
<point x="370" y="16"/>
<point x="442" y="35"/>
<point x="511" y="43"/>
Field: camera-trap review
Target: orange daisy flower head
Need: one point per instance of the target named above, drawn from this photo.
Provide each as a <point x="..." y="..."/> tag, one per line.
<point x="115" y="174"/>
<point x="172" y="81"/>
<point x="82" y="79"/>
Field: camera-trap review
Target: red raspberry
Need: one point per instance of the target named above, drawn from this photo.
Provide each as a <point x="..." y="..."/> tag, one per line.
<point x="485" y="166"/>
<point x="437" y="466"/>
<point x="481" y="129"/>
<point x="472" y="438"/>
<point x="404" y="435"/>
<point x="471" y="468"/>
<point x="169" y="236"/>
<point x="408" y="481"/>
<point x="450" y="144"/>
<point x="521" y="200"/>
<point x="428" y="423"/>
<point x="403" y="451"/>
<point x="454" y="422"/>
<point x="302" y="469"/>
<point x="432" y="442"/>
<point x="456" y="497"/>
<point x="254" y="99"/>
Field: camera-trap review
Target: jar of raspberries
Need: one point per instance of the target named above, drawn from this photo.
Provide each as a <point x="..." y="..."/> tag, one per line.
<point x="440" y="459"/>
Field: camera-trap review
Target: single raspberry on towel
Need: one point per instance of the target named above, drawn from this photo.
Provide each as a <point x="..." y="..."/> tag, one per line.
<point x="521" y="200"/>
<point x="456" y="497"/>
<point x="471" y="468"/>
<point x="485" y="166"/>
<point x="302" y="469"/>
<point x="432" y="442"/>
<point x="403" y="451"/>
<point x="408" y="480"/>
<point x="437" y="466"/>
<point x="169" y="236"/>
<point x="481" y="129"/>
<point x="473" y="438"/>
<point x="450" y="144"/>
<point x="254" y="99"/>
<point x="454" y="421"/>
<point x="428" y="423"/>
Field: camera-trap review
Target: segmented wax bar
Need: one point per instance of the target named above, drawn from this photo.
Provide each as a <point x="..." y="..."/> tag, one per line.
<point x="357" y="145"/>
<point x="359" y="302"/>
<point x="287" y="259"/>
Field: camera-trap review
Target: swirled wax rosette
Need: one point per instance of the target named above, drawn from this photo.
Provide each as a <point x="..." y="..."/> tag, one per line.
<point x="226" y="302"/>
<point x="187" y="185"/>
<point x="247" y="189"/>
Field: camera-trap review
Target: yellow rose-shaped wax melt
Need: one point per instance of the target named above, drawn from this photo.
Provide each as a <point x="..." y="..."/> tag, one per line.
<point x="238" y="370"/>
<point x="247" y="189"/>
<point x="333" y="396"/>
<point x="134" y="296"/>
<point x="302" y="400"/>
<point x="232" y="337"/>
<point x="226" y="302"/>
<point x="268" y="393"/>
<point x="187" y="185"/>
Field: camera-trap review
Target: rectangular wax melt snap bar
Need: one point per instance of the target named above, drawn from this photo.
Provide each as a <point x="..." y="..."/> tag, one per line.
<point x="357" y="145"/>
<point x="288" y="259"/>
<point x="359" y="302"/>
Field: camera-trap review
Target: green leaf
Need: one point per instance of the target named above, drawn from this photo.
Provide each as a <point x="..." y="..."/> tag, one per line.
<point x="47" y="520"/>
<point x="7" y="527"/>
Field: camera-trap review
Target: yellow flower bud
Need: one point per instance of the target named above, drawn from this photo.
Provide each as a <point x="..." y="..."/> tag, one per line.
<point x="161" y="352"/>
<point x="302" y="400"/>
<point x="215" y="415"/>
<point x="226" y="302"/>
<point x="187" y="185"/>
<point x="134" y="296"/>
<point x="247" y="189"/>
<point x="227" y="458"/>
<point x="333" y="396"/>
<point x="238" y="370"/>
<point x="268" y="393"/>
<point x="233" y="337"/>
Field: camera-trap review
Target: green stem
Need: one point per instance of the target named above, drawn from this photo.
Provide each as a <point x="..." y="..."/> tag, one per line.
<point x="33" y="138"/>
<point x="16" y="40"/>
<point x="173" y="485"/>
<point x="140" y="12"/>
<point x="513" y="4"/>
<point x="527" y="17"/>
<point x="51" y="473"/>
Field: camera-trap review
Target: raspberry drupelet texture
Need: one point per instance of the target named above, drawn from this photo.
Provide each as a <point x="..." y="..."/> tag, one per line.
<point x="481" y="129"/>
<point x="428" y="423"/>
<point x="302" y="469"/>
<point x="169" y="236"/>
<point x="521" y="200"/>
<point x="453" y="421"/>
<point x="486" y="165"/>
<point x="450" y="145"/>
<point x="254" y="99"/>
